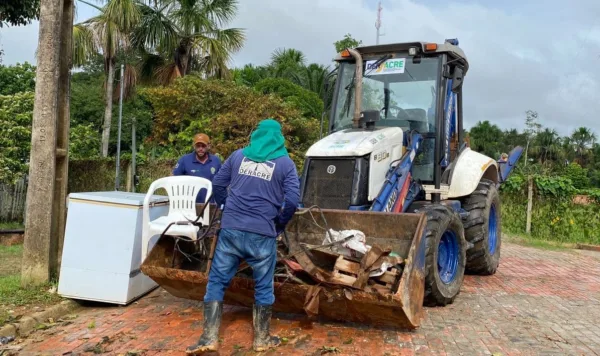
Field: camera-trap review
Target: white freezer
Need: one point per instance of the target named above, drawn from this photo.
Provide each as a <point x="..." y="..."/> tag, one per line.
<point x="102" y="247"/>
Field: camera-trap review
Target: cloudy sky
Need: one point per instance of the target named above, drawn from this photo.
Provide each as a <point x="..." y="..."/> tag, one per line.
<point x="526" y="54"/>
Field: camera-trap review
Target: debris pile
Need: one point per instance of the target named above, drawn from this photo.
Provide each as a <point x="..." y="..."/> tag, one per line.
<point x="344" y="260"/>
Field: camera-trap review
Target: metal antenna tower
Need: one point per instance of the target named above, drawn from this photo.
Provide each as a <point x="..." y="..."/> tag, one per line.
<point x="378" y="22"/>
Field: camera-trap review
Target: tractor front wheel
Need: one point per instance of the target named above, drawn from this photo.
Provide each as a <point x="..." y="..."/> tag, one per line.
<point x="483" y="229"/>
<point x="445" y="255"/>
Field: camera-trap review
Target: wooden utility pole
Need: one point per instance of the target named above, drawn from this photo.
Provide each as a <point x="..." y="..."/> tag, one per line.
<point x="48" y="164"/>
<point x="529" y="204"/>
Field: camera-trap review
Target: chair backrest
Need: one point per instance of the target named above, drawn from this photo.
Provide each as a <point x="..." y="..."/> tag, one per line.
<point x="182" y="192"/>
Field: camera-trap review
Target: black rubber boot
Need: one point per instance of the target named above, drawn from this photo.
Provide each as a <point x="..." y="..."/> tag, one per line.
<point x="261" y="320"/>
<point x="209" y="341"/>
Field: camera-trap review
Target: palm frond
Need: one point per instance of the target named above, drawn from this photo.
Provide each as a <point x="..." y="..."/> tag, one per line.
<point x="191" y="19"/>
<point x="155" y="31"/>
<point x="219" y="12"/>
<point x="125" y="14"/>
<point x="84" y="46"/>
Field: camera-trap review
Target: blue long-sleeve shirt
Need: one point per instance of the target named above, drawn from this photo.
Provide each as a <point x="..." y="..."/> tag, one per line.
<point x="255" y="193"/>
<point x="189" y="165"/>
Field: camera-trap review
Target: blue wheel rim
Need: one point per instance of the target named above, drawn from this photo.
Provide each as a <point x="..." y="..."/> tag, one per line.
<point x="448" y="257"/>
<point x="492" y="230"/>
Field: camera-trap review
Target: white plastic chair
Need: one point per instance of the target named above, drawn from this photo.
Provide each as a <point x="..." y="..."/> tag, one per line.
<point x="182" y="192"/>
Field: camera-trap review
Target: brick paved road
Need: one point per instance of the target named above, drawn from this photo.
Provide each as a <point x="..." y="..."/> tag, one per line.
<point x="540" y="302"/>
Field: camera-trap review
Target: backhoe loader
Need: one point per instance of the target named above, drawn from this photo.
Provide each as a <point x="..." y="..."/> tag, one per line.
<point x="396" y="207"/>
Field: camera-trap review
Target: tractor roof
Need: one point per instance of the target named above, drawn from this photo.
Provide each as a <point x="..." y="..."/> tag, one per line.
<point x="424" y="48"/>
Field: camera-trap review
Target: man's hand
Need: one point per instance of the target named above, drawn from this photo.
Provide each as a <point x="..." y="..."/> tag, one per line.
<point x="279" y="227"/>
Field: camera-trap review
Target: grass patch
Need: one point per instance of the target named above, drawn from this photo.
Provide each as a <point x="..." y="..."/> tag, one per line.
<point x="11" y="292"/>
<point x="14" y="250"/>
<point x="529" y="241"/>
<point x="10" y="226"/>
<point x="12" y="296"/>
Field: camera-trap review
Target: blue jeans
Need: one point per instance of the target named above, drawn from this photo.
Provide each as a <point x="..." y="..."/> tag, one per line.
<point x="259" y="251"/>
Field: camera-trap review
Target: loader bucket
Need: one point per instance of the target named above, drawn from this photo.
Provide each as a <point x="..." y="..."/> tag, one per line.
<point x="360" y="300"/>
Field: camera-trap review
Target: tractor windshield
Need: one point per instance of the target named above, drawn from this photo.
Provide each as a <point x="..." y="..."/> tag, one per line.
<point x="403" y="91"/>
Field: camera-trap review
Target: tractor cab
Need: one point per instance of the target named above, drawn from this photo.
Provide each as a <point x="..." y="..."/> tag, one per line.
<point x="383" y="95"/>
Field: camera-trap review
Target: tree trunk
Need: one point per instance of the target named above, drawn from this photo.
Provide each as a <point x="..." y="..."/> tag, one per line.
<point x="110" y="79"/>
<point x="40" y="192"/>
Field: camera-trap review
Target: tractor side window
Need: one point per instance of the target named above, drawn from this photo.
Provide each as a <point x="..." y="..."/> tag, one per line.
<point x="423" y="168"/>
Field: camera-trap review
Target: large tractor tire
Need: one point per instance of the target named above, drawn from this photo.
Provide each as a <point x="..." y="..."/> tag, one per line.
<point x="445" y="255"/>
<point x="483" y="229"/>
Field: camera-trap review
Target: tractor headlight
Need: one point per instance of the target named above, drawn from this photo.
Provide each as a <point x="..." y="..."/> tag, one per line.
<point x="412" y="51"/>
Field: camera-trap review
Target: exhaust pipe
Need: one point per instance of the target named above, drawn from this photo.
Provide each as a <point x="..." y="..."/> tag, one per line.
<point x="357" y="87"/>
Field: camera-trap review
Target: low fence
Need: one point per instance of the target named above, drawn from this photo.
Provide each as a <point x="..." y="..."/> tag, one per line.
<point x="12" y="201"/>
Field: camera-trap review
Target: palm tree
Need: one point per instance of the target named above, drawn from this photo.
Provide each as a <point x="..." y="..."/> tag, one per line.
<point x="188" y="34"/>
<point x="249" y="74"/>
<point x="311" y="77"/>
<point x="583" y="139"/>
<point x="107" y="33"/>
<point x="547" y="145"/>
<point x="485" y="138"/>
<point x="286" y="62"/>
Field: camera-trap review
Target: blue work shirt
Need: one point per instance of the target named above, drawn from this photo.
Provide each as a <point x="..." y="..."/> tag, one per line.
<point x="257" y="193"/>
<point x="189" y="165"/>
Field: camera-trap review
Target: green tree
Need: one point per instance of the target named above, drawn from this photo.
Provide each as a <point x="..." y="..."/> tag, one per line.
<point x="583" y="139"/>
<point x="547" y="146"/>
<point x="286" y="63"/>
<point x="249" y="75"/>
<point x="578" y="175"/>
<point x="486" y="138"/>
<point x="314" y="77"/>
<point x="347" y="42"/>
<point x="533" y="128"/>
<point x="18" y="12"/>
<point x="87" y="101"/>
<point x="16" y="79"/>
<point x="84" y="142"/>
<point x="305" y="100"/>
<point x="16" y="112"/>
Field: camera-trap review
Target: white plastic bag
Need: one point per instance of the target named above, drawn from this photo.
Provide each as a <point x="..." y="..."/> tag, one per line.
<point x="354" y="247"/>
<point x="378" y="272"/>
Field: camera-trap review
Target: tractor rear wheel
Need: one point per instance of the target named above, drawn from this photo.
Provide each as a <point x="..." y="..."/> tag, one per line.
<point x="445" y="255"/>
<point x="483" y="229"/>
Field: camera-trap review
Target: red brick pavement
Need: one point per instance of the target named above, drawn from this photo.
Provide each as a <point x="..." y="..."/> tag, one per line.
<point x="539" y="302"/>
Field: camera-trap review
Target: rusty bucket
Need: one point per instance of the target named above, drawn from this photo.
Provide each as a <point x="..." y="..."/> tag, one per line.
<point x="170" y="264"/>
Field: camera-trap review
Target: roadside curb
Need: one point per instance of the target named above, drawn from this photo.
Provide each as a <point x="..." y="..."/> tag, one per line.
<point x="28" y="323"/>
<point x="588" y="247"/>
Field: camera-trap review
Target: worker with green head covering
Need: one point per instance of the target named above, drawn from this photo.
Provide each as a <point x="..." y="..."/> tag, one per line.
<point x="259" y="189"/>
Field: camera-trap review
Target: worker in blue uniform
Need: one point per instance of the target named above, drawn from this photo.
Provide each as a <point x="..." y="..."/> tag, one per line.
<point x="259" y="188"/>
<point x="200" y="163"/>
